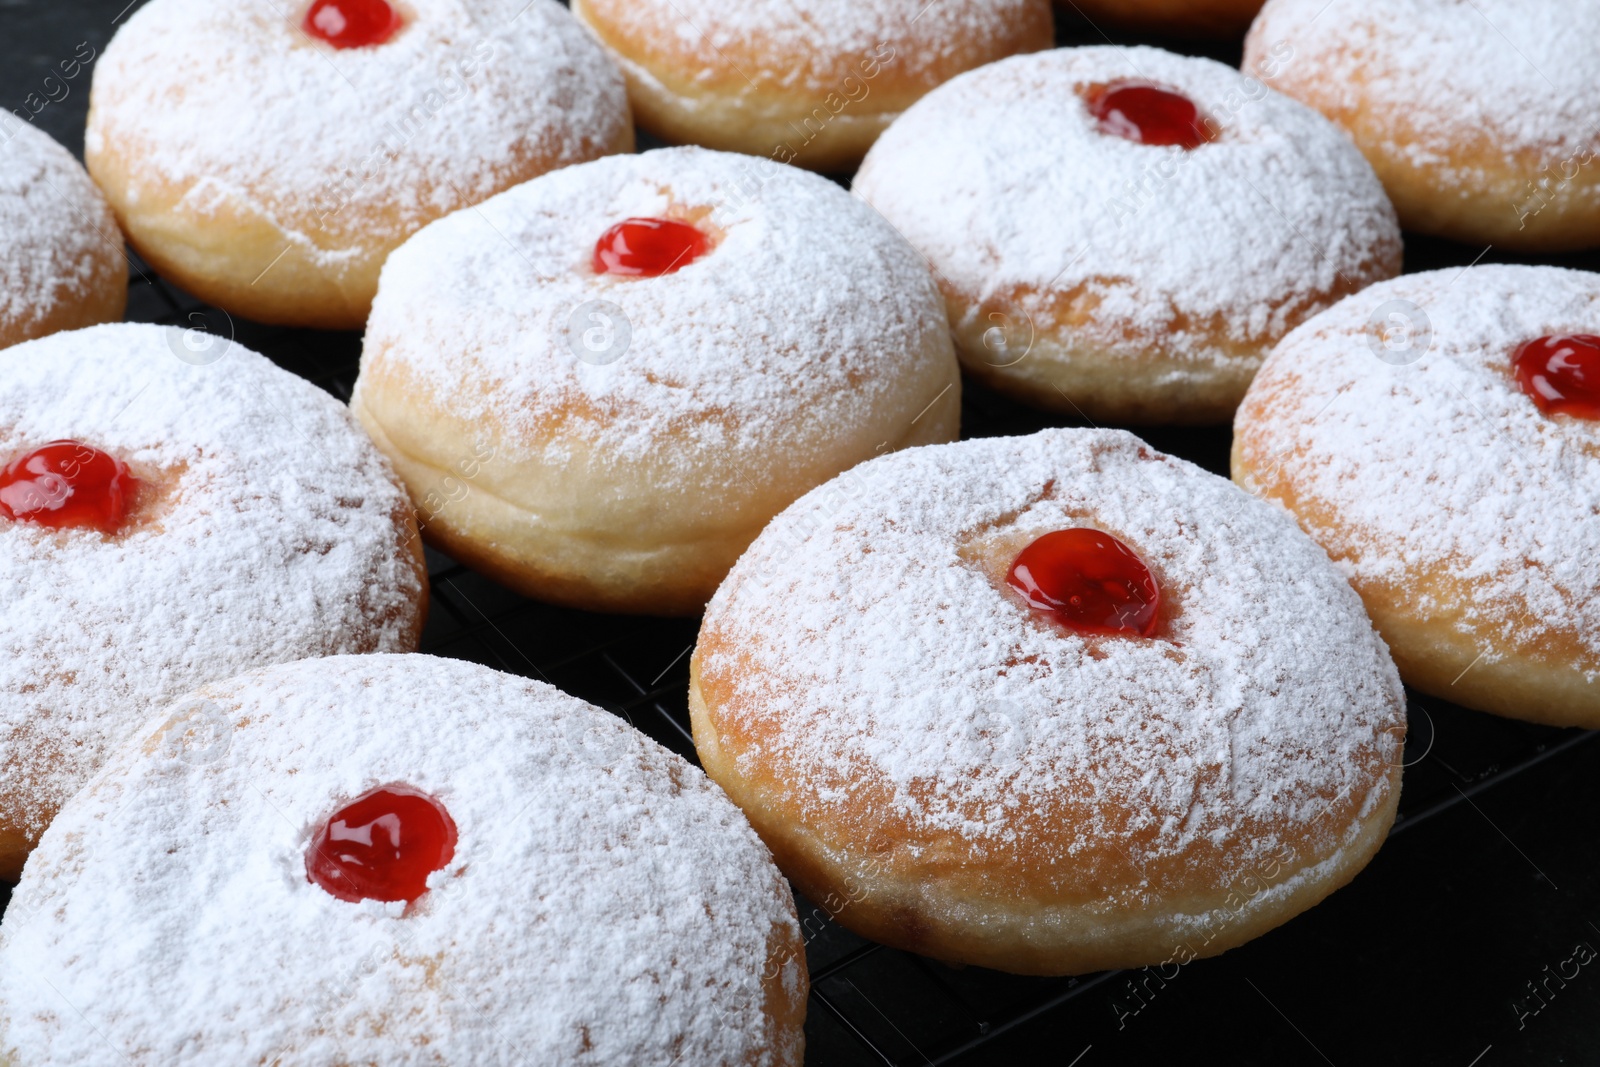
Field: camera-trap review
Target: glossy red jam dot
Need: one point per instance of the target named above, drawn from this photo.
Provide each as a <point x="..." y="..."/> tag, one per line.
<point x="352" y="23"/>
<point x="1089" y="581"/>
<point x="67" y="484"/>
<point x="1562" y="374"/>
<point x="648" y="248"/>
<point x="382" y="846"/>
<point x="1149" y="114"/>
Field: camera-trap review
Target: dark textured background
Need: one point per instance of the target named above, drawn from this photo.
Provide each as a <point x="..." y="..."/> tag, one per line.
<point x="1492" y="875"/>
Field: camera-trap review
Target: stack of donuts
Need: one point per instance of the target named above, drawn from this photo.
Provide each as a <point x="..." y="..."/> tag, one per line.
<point x="1037" y="703"/>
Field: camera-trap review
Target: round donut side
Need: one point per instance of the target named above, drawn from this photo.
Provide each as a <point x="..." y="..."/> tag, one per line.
<point x="1448" y="173"/>
<point x="1006" y="818"/>
<point x="807" y="102"/>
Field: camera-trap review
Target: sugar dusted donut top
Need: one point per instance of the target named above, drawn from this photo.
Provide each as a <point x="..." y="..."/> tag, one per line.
<point x="1435" y="460"/>
<point x="1001" y="178"/>
<point x="235" y="103"/>
<point x="813" y="45"/>
<point x="807" y="336"/>
<point x="54" y="228"/>
<point x="1509" y="75"/>
<point x="869" y="668"/>
<point x="605" y="904"/>
<point x="269" y="529"/>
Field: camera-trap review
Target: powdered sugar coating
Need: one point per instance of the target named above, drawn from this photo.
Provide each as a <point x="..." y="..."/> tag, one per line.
<point x="360" y="145"/>
<point x="811" y="44"/>
<point x="772" y="352"/>
<point x="1003" y="181"/>
<point x="606" y="904"/>
<point x="54" y="228"/>
<point x="1519" y="74"/>
<point x="1442" y="463"/>
<point x="864" y="640"/>
<point x="279" y="536"/>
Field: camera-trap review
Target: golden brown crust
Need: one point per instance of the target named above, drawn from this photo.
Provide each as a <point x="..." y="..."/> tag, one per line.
<point x="634" y="484"/>
<point x="548" y="543"/>
<point x="286" y="215"/>
<point x="1060" y="361"/>
<point x="785" y="1006"/>
<point x="264" y="258"/>
<point x="1473" y="188"/>
<point x="62" y="261"/>
<point x="1210" y="18"/>
<point x="411" y="545"/>
<point x="14" y="849"/>
<point x="103" y="299"/>
<point x="811" y="107"/>
<point x="950" y="773"/>
<point x="932" y="896"/>
<point x="1124" y="292"/>
<point x="1421" y="612"/>
<point x="1478" y="192"/>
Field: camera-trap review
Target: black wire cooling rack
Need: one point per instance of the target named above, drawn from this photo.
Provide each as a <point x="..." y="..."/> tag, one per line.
<point x="1466" y="942"/>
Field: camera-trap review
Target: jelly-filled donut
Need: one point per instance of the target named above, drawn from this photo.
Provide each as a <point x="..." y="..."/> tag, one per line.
<point x="1123" y="233"/>
<point x="1437" y="436"/>
<point x="275" y="177"/>
<point x="1479" y="117"/>
<point x="61" y="260"/>
<point x="600" y="385"/>
<point x="1049" y="704"/>
<point x="400" y="860"/>
<point x="1208" y="18"/>
<point x="809" y="82"/>
<point x="166" y="522"/>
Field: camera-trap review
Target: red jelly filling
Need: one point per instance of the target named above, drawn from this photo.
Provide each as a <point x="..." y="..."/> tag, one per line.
<point x="1144" y="112"/>
<point x="1562" y="374"/>
<point x="1089" y="581"/>
<point x="67" y="484"/>
<point x="352" y="23"/>
<point x="382" y="846"/>
<point x="648" y="247"/>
